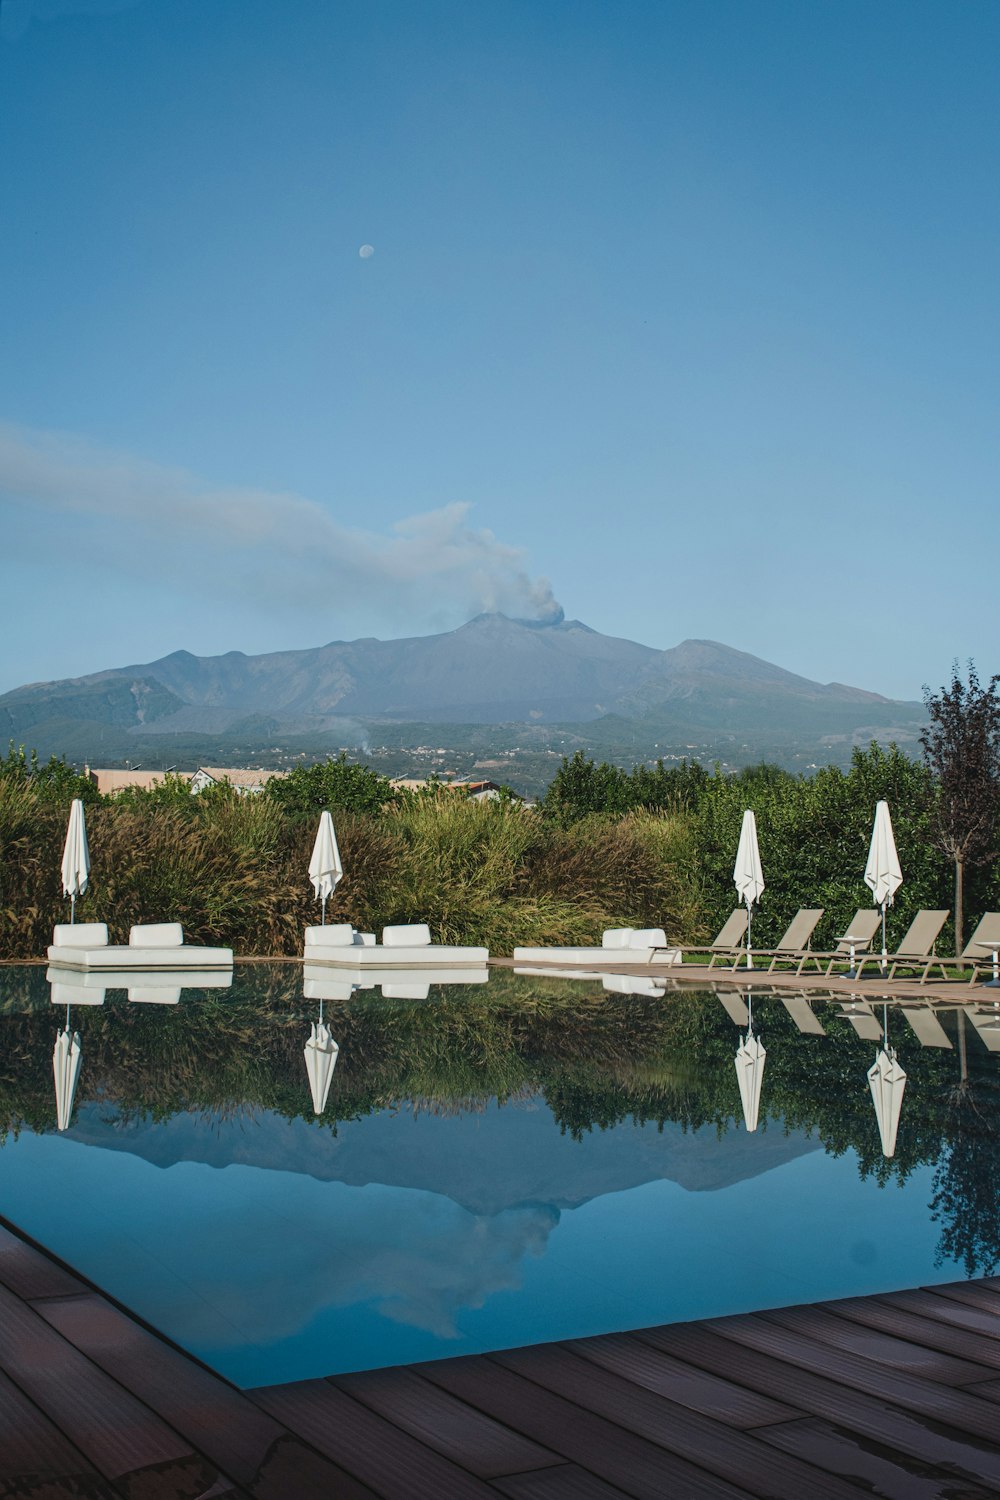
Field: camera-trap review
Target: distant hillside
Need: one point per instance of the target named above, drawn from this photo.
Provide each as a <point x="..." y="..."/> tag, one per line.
<point x="492" y="671"/>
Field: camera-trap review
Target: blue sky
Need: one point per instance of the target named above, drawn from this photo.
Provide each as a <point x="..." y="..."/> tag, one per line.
<point x="682" y="316"/>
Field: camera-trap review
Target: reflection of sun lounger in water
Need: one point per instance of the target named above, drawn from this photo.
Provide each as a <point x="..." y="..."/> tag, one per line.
<point x="622" y="945"/>
<point x="88" y="986"/>
<point x="925" y="1025"/>
<point x="406" y="947"/>
<point x="986" y="1020"/>
<point x="802" y="1014"/>
<point x="323" y="982"/>
<point x="863" y="1019"/>
<point x="151" y="945"/>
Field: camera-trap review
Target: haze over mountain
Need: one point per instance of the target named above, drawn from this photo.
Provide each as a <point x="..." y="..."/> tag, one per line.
<point x="492" y="670"/>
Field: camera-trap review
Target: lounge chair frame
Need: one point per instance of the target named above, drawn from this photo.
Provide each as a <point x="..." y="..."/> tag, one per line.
<point x="918" y="950"/>
<point x="731" y="940"/>
<point x="864" y="924"/>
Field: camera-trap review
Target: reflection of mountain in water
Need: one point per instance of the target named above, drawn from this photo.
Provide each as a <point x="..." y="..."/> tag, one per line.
<point x="489" y="1162"/>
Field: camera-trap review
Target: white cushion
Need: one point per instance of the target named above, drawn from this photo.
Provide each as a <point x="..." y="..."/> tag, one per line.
<point x="157" y="935"/>
<point x="416" y="935"/>
<point x="616" y="937"/>
<point x="80" y="935"/>
<point x="648" y="937"/>
<point x="337" y="935"/>
<point x="366" y="939"/>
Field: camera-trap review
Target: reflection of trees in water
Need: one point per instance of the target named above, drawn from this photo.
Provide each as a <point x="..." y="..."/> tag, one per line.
<point x="966" y="1199"/>
<point x="597" y="1058"/>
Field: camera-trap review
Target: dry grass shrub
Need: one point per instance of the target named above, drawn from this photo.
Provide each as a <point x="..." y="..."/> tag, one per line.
<point x="639" y="870"/>
<point x="234" y="869"/>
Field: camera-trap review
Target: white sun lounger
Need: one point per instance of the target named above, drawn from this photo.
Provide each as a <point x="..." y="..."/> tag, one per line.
<point x="151" y="945"/>
<point x="631" y="945"/>
<point x="405" y="947"/>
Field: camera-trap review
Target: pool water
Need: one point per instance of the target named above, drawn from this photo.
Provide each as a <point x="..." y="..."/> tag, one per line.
<point x="496" y="1164"/>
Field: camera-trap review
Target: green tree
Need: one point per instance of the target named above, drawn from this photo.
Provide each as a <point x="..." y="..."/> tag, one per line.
<point x="53" y="780"/>
<point x="332" y="784"/>
<point x="962" y="748"/>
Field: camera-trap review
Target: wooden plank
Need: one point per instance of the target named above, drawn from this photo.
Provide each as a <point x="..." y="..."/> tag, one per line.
<point x="927" y="1398"/>
<point x="36" y="1458"/>
<point x="727" y="1452"/>
<point x="876" y="1312"/>
<point x="212" y="1415"/>
<point x="640" y="1468"/>
<point x="629" y="1357"/>
<point x="881" y="1348"/>
<point x="466" y="1436"/>
<point x="894" y="1475"/>
<point x="120" y="1436"/>
<point x="866" y="1416"/>
<point x="568" y="1482"/>
<point x="29" y="1273"/>
<point x="394" y="1464"/>
<point x="945" y="1310"/>
<point x="973" y="1294"/>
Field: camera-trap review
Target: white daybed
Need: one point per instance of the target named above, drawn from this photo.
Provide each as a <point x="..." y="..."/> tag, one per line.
<point x="407" y="947"/>
<point x="151" y="945"/>
<point x="619" y="945"/>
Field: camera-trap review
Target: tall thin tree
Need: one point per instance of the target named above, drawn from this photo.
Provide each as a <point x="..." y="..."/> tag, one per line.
<point x="962" y="748"/>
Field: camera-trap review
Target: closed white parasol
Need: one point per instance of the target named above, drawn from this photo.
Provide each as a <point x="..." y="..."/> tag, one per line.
<point x="325" y="868"/>
<point x="883" y="876"/>
<point x="887" y="1081"/>
<point x="321" y="1053"/>
<point x="66" y="1057"/>
<point x="750" y="1058"/>
<point x="747" y="874"/>
<point x="76" y="857"/>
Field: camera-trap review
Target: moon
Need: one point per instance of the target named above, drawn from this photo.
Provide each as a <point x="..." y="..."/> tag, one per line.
<point x="366" y="252"/>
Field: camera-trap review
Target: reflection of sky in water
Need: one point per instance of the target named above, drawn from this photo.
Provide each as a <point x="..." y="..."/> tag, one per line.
<point x="273" y="1274"/>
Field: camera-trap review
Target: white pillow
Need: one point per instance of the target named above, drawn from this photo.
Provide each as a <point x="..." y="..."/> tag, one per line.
<point x="648" y="937"/>
<point x="157" y="935"/>
<point x="337" y="935"/>
<point x="616" y="937"/>
<point x="80" y="935"/>
<point x="416" y="935"/>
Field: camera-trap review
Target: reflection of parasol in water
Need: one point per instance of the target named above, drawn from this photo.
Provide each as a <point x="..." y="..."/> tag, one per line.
<point x="321" y="1053"/>
<point x="750" y="1057"/>
<point x="66" y="1059"/>
<point x="887" y="1081"/>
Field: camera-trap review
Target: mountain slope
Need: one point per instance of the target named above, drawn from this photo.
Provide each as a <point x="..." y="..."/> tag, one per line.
<point x="491" y="671"/>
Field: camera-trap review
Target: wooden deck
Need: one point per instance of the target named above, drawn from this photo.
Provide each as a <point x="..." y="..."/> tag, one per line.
<point x="897" y="1396"/>
<point x="835" y="986"/>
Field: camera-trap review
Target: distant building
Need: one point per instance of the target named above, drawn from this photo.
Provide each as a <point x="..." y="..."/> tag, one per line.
<point x="110" y="782"/>
<point x="244" y="782"/>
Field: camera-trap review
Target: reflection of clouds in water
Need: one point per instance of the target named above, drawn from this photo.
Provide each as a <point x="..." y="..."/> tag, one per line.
<point x="301" y="1247"/>
<point x="484" y="1258"/>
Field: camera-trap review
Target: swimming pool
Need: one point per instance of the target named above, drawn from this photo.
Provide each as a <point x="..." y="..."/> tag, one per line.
<point x="496" y="1164"/>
